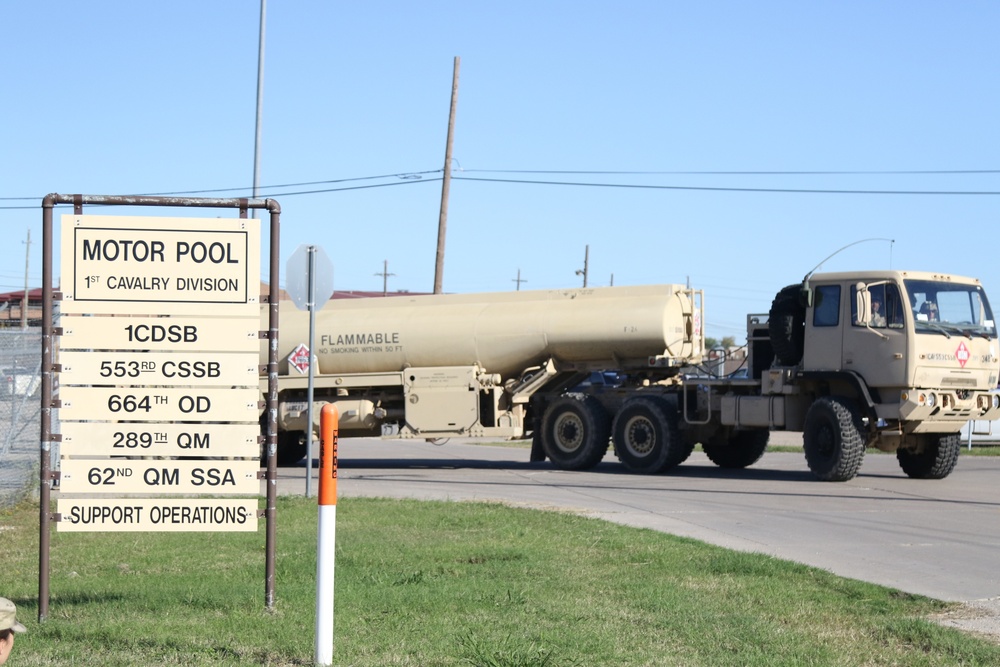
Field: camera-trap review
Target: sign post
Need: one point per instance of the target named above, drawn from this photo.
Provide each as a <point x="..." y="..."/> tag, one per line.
<point x="326" y="542"/>
<point x="303" y="288"/>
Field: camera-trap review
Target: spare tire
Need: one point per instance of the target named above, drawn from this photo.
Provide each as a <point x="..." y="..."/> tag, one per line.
<point x="786" y="325"/>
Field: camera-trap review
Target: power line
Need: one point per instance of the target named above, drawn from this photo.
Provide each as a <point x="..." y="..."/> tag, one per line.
<point x="406" y="178"/>
<point x="731" y="189"/>
<point x="410" y="180"/>
<point x="356" y="187"/>
<point x="405" y="175"/>
<point x="743" y="173"/>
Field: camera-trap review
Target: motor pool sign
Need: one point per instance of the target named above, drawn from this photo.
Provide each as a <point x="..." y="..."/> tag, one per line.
<point x="182" y="265"/>
<point x="155" y="334"/>
<point x="215" y="404"/>
<point x="168" y="368"/>
<point x="159" y="476"/>
<point x="158" y="514"/>
<point x="158" y="439"/>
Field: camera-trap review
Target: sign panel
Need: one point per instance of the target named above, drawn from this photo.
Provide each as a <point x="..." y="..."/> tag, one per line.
<point x="175" y="334"/>
<point x="159" y="404"/>
<point x="135" y="439"/>
<point x="158" y="514"/>
<point x="158" y="476"/>
<point x="145" y="265"/>
<point x="159" y="368"/>
<point x="297" y="277"/>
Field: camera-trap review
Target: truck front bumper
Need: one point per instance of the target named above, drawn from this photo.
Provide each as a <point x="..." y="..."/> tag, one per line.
<point x="944" y="410"/>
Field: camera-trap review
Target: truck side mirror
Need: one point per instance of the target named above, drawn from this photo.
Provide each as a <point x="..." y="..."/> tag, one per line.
<point x="863" y="304"/>
<point x="806" y="297"/>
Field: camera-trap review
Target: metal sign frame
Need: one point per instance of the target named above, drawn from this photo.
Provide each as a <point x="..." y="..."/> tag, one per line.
<point x="49" y="295"/>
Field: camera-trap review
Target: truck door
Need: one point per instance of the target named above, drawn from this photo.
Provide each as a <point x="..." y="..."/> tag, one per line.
<point x="823" y="339"/>
<point x="878" y="353"/>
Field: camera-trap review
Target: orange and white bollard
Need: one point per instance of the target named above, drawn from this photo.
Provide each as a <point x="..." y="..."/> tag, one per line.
<point x="329" y="426"/>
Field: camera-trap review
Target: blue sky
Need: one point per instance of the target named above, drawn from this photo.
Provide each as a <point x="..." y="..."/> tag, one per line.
<point x="124" y="97"/>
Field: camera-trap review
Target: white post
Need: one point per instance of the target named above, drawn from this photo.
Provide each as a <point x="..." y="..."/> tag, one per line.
<point x="326" y="542"/>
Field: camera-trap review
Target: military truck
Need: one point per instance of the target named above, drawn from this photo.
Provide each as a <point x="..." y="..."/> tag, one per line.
<point x="853" y="360"/>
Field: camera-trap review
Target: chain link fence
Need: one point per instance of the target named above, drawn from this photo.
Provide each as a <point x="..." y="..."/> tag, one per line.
<point x="20" y="412"/>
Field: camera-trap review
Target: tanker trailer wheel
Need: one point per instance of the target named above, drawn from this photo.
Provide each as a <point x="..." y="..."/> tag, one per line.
<point x="684" y="450"/>
<point x="646" y="436"/>
<point x="575" y="432"/>
<point x="936" y="461"/>
<point x="291" y="447"/>
<point x="833" y="440"/>
<point x="786" y="326"/>
<point x="741" y="450"/>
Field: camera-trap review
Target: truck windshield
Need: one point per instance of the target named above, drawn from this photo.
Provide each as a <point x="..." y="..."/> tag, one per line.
<point x="943" y="307"/>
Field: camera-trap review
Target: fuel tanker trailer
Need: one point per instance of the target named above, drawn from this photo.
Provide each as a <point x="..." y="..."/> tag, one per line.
<point x="502" y="365"/>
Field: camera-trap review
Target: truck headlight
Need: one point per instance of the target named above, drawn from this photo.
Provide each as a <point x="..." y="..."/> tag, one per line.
<point x="930" y="400"/>
<point x="996" y="401"/>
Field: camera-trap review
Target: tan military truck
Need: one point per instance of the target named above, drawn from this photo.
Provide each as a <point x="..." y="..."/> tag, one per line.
<point x="895" y="360"/>
<point x="576" y="369"/>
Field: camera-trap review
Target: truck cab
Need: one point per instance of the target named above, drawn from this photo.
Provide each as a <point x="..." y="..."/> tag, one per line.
<point x="896" y="360"/>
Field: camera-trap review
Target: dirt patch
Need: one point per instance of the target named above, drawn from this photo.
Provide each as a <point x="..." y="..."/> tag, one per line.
<point x="979" y="617"/>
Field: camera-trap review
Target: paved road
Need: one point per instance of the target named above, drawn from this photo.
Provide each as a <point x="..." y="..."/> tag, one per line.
<point x="939" y="538"/>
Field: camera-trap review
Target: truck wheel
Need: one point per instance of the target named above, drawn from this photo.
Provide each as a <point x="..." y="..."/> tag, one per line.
<point x="833" y="440"/>
<point x="684" y="449"/>
<point x="575" y="432"/>
<point x="742" y="450"/>
<point x="786" y="326"/>
<point x="646" y="436"/>
<point x="291" y="447"/>
<point x="936" y="461"/>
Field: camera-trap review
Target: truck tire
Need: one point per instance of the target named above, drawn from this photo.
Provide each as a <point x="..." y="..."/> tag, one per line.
<point x="742" y="450"/>
<point x="575" y="432"/>
<point x="786" y="326"/>
<point x="646" y="436"/>
<point x="684" y="449"/>
<point x="936" y="461"/>
<point x="833" y="440"/>
<point x="291" y="447"/>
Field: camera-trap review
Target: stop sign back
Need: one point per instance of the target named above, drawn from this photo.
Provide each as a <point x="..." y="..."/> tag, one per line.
<point x="297" y="276"/>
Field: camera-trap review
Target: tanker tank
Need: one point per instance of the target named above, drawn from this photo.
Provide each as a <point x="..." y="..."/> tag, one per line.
<point x="503" y="332"/>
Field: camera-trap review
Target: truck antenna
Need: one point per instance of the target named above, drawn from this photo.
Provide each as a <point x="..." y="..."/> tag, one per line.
<point x="807" y="293"/>
<point x="839" y="250"/>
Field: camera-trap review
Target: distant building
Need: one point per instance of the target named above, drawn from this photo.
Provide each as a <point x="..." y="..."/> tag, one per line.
<point x="13" y="305"/>
<point x="350" y="294"/>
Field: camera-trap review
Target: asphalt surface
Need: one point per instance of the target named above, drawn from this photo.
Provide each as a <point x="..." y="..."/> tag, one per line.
<point x="938" y="538"/>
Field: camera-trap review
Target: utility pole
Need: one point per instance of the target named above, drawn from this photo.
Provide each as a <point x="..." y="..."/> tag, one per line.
<point x="24" y="300"/>
<point x="260" y="103"/>
<point x="385" y="277"/>
<point x="446" y="183"/>
<point x="518" y="280"/>
<point x="586" y="261"/>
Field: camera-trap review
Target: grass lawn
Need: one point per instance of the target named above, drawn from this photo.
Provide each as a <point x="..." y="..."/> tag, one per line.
<point x="437" y="583"/>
